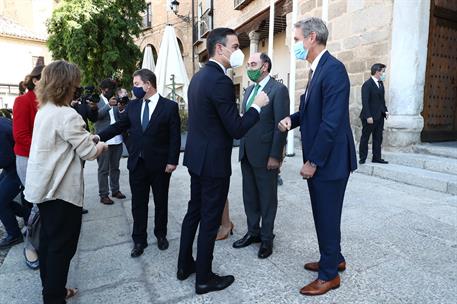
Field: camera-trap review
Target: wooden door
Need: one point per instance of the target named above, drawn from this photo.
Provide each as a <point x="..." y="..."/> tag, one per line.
<point x="440" y="93"/>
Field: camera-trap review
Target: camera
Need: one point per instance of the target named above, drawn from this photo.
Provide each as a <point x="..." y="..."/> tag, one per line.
<point x="123" y="100"/>
<point x="86" y="94"/>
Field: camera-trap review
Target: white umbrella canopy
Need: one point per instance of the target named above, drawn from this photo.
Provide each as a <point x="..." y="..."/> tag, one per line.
<point x="171" y="66"/>
<point x="148" y="59"/>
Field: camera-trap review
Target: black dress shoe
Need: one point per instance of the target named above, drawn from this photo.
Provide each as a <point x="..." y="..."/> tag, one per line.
<point x="216" y="283"/>
<point x="362" y="161"/>
<point x="138" y="250"/>
<point x="84" y="211"/>
<point x="246" y="241"/>
<point x="379" y="161"/>
<point x="9" y="241"/>
<point x="183" y="274"/>
<point x="162" y="243"/>
<point x="265" y="250"/>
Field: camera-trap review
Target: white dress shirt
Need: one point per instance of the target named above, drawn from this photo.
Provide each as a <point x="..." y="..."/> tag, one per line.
<point x="262" y="85"/>
<point x="116" y="140"/>
<point x="154" y="99"/>
<point x="375" y="80"/>
<point x="314" y="67"/>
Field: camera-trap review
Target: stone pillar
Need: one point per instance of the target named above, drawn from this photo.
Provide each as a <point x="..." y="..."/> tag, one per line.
<point x="408" y="59"/>
<point x="254" y="39"/>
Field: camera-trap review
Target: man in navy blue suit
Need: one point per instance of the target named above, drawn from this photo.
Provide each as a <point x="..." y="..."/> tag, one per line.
<point x="328" y="147"/>
<point x="214" y="122"/>
<point x="154" y="129"/>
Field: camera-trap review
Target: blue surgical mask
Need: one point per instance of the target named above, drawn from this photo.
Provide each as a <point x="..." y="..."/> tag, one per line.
<point x="139" y="92"/>
<point x="383" y="77"/>
<point x="300" y="52"/>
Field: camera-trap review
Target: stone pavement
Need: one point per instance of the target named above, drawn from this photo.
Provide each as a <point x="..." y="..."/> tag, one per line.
<point x="400" y="243"/>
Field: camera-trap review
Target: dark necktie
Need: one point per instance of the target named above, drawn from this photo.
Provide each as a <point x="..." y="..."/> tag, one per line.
<point x="380" y="84"/>
<point x="310" y="75"/>
<point x="145" y="120"/>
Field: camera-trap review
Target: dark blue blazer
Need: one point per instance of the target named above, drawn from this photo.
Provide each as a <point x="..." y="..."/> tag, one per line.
<point x="214" y="122"/>
<point x="159" y="144"/>
<point x="323" y="118"/>
<point x="7" y="157"/>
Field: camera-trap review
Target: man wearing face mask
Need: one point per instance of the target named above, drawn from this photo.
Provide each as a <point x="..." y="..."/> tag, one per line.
<point x="373" y="113"/>
<point x="214" y="122"/>
<point x="260" y="155"/>
<point x="108" y="161"/>
<point x="328" y="147"/>
<point x="154" y="128"/>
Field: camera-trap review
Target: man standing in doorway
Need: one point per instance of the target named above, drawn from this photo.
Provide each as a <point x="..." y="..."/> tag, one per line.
<point x="373" y="113"/>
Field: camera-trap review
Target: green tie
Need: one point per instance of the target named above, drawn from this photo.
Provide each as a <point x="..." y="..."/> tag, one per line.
<point x="251" y="100"/>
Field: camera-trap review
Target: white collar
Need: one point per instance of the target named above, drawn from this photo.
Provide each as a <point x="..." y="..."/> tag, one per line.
<point x="220" y="64"/>
<point x="154" y="98"/>
<point x="375" y="80"/>
<point x="317" y="59"/>
<point x="104" y="98"/>
<point x="264" y="81"/>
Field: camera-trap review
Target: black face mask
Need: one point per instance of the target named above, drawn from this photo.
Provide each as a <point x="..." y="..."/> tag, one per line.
<point x="108" y="94"/>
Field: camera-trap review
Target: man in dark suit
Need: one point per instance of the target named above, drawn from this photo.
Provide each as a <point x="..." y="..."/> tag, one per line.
<point x="153" y="124"/>
<point x="373" y="113"/>
<point x="213" y="123"/>
<point x="261" y="152"/>
<point x="328" y="147"/>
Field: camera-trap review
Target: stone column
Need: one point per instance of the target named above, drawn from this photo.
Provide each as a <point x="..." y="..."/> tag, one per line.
<point x="254" y="42"/>
<point x="408" y="59"/>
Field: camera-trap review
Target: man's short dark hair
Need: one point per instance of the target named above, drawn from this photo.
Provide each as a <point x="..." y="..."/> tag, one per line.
<point x="218" y="35"/>
<point x="264" y="58"/>
<point x="147" y="75"/>
<point x="377" y="67"/>
<point x="108" y="83"/>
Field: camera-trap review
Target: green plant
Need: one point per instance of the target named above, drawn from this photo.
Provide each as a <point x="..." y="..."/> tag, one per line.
<point x="184" y="119"/>
<point x="98" y="36"/>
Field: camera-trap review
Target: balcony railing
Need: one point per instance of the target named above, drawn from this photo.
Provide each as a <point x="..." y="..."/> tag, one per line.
<point x="240" y="4"/>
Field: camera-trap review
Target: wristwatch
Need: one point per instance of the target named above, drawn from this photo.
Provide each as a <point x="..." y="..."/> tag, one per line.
<point x="312" y="164"/>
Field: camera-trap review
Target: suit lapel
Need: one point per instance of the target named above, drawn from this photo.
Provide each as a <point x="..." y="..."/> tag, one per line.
<point x="316" y="75"/>
<point x="268" y="86"/>
<point x="155" y="114"/>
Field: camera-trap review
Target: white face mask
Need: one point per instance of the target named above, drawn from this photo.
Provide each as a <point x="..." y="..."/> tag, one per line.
<point x="236" y="58"/>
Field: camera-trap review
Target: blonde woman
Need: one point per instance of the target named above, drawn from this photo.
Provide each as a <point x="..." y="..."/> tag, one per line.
<point x="54" y="180"/>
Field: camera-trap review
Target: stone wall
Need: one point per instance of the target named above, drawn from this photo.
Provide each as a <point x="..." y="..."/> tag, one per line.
<point x="161" y="16"/>
<point x="360" y="32"/>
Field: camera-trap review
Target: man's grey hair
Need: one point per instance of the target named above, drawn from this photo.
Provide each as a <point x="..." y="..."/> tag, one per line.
<point x="316" y="25"/>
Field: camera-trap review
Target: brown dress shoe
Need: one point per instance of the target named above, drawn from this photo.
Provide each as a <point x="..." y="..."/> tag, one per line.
<point x="319" y="287"/>
<point x="119" y="195"/>
<point x="106" y="200"/>
<point x="314" y="266"/>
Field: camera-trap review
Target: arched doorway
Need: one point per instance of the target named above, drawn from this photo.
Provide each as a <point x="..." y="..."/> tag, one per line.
<point x="440" y="93"/>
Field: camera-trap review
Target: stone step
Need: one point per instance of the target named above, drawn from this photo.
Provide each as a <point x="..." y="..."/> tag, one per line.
<point x="442" y="182"/>
<point x="423" y="161"/>
<point x="444" y="149"/>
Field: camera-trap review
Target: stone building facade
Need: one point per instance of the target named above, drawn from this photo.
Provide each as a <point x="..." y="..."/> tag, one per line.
<point x="415" y="38"/>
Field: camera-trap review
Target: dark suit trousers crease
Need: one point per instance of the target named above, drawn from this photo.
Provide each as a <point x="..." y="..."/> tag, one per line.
<point x="141" y="180"/>
<point x="59" y="234"/>
<point x="376" y="130"/>
<point x="368" y="129"/>
<point x="207" y="201"/>
<point x="260" y="197"/>
<point x="108" y="166"/>
<point x="327" y="203"/>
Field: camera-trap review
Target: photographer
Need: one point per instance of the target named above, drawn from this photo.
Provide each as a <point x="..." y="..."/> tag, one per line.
<point x="86" y="106"/>
<point x="108" y="162"/>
